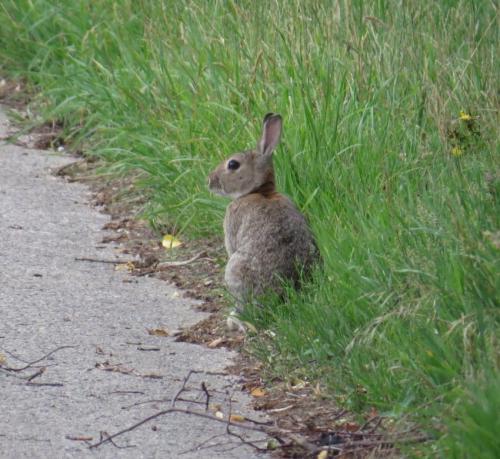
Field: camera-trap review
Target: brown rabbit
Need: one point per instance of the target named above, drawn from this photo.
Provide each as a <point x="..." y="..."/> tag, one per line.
<point x="267" y="239"/>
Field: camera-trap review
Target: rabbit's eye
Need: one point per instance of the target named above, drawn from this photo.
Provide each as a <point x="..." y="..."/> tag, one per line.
<point x="233" y="164"/>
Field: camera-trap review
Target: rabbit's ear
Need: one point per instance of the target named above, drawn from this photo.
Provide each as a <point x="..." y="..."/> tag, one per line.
<point x="271" y="134"/>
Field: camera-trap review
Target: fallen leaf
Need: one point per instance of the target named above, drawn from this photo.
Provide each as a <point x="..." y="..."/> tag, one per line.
<point x="129" y="266"/>
<point x="216" y="342"/>
<point x="219" y="414"/>
<point x="3" y="359"/>
<point x="257" y="392"/>
<point x="236" y="418"/>
<point x="351" y="426"/>
<point x="322" y="455"/>
<point x="170" y="242"/>
<point x="157" y="332"/>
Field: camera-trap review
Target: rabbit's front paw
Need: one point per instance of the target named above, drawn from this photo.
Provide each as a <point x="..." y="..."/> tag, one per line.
<point x="233" y="323"/>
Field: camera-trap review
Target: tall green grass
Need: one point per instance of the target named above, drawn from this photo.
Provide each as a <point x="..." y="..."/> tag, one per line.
<point x="402" y="194"/>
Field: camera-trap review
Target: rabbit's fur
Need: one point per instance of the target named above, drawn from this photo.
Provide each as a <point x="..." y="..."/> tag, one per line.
<point x="267" y="239"/>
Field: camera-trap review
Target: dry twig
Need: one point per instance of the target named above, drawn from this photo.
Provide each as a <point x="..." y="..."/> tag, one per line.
<point x="99" y="260"/>
<point x="170" y="264"/>
<point x="32" y="363"/>
<point x="346" y="442"/>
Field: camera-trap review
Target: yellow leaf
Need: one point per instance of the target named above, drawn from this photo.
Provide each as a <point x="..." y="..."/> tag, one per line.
<point x="129" y="266"/>
<point x="157" y="332"/>
<point x="322" y="455"/>
<point x="257" y="392"/>
<point x="236" y="418"/>
<point x="3" y="359"/>
<point x="170" y="242"/>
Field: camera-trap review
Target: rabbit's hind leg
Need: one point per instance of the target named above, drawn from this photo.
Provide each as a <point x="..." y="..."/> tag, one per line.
<point x="235" y="277"/>
<point x="238" y="277"/>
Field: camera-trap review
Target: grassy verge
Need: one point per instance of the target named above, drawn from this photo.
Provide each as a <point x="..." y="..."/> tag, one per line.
<point x="401" y="188"/>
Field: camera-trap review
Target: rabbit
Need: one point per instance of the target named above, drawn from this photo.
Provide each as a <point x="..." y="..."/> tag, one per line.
<point x="267" y="238"/>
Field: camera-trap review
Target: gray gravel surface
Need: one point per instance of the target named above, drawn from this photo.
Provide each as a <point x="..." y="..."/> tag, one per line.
<point x="49" y="300"/>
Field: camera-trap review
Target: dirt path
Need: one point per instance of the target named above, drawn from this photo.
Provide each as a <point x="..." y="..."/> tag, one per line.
<point x="49" y="300"/>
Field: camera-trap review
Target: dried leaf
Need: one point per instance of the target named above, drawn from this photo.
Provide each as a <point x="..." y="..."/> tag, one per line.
<point x="170" y="242"/>
<point x="351" y="426"/>
<point x="216" y="342"/>
<point x="236" y="418"/>
<point x="219" y="414"/>
<point x="3" y="359"/>
<point x="258" y="392"/>
<point x="157" y="332"/>
<point x="322" y="455"/>
<point x="128" y="267"/>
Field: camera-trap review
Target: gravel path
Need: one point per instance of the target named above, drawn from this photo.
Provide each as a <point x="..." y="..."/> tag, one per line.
<point x="49" y="300"/>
